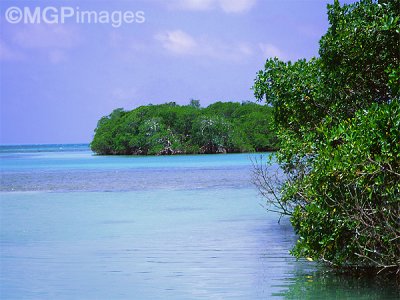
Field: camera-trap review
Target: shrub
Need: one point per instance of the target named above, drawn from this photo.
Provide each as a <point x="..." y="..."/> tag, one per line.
<point x="338" y="121"/>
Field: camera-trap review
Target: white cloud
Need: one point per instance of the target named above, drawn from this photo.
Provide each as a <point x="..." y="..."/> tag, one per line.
<point x="270" y="50"/>
<point x="197" y="5"/>
<point x="180" y="43"/>
<point x="228" y="51"/>
<point x="51" y="40"/>
<point x="227" y="6"/>
<point x="177" y="42"/>
<point x="236" y="6"/>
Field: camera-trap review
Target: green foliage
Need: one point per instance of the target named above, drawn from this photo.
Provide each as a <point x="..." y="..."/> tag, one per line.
<point x="338" y="120"/>
<point x="195" y="103"/>
<point x="173" y="129"/>
<point x="293" y="89"/>
<point x="352" y="193"/>
<point x="361" y="45"/>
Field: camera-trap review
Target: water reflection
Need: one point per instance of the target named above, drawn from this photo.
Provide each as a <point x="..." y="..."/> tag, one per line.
<point x="323" y="283"/>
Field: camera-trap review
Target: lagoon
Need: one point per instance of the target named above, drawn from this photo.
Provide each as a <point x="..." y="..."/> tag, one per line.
<point x="78" y="226"/>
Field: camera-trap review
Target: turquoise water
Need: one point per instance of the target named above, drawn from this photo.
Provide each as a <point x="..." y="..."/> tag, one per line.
<point x="79" y="226"/>
<point x="75" y="168"/>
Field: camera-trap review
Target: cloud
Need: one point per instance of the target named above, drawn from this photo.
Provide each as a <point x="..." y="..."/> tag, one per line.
<point x="227" y="6"/>
<point x="177" y="42"/>
<point x="236" y="6"/>
<point x="50" y="40"/>
<point x="196" y="5"/>
<point x="180" y="43"/>
<point x="270" y="50"/>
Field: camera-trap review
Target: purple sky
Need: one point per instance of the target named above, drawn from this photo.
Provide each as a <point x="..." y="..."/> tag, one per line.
<point x="57" y="80"/>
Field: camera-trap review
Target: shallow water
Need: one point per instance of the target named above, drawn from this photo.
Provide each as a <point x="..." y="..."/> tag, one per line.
<point x="83" y="171"/>
<point x="78" y="226"/>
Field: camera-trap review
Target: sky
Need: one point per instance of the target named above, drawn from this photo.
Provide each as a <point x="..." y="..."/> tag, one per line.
<point x="60" y="73"/>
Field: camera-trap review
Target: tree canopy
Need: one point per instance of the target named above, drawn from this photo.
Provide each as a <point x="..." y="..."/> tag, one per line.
<point x="173" y="129"/>
<point x="338" y="119"/>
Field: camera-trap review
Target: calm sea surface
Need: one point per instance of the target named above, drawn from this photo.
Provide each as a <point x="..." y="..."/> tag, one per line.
<point x="78" y="226"/>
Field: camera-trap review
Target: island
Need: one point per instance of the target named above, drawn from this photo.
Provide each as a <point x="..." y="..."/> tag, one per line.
<point x="167" y="129"/>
